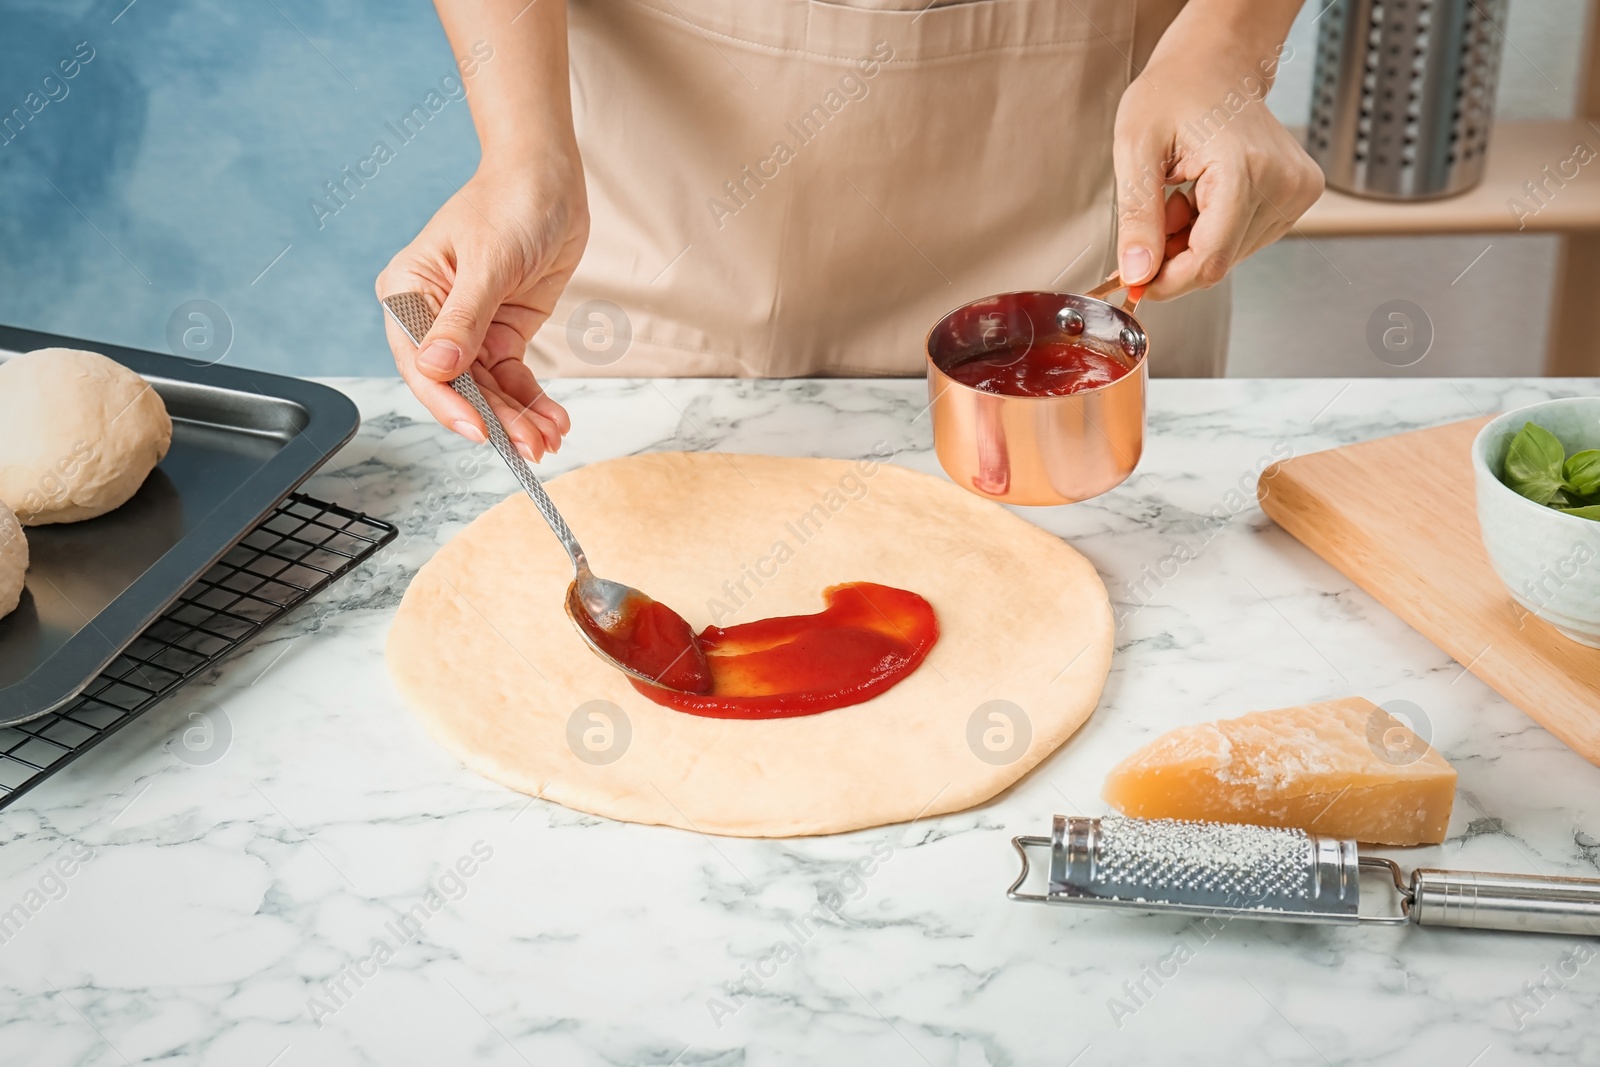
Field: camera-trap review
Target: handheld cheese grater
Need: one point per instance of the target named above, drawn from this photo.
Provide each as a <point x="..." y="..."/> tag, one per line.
<point x="1258" y="872"/>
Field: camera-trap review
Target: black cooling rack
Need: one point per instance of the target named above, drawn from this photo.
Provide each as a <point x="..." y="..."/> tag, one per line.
<point x="292" y="555"/>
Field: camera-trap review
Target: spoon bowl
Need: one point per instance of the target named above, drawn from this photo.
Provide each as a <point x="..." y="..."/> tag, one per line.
<point x="641" y="637"/>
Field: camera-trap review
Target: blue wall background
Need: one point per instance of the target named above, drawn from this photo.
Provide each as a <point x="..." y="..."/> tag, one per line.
<point x="179" y="161"/>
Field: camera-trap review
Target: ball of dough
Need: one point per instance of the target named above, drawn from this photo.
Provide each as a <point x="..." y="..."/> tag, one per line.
<point x="79" y="433"/>
<point x="13" y="562"/>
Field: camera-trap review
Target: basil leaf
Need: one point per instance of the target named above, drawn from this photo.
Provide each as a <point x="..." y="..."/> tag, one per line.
<point x="1590" y="511"/>
<point x="1582" y="471"/>
<point x="1533" y="463"/>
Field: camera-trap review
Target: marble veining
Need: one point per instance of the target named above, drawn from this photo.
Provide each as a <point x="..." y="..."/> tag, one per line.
<point x="276" y="868"/>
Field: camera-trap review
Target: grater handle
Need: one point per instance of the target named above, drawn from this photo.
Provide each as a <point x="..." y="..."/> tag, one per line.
<point x="413" y="315"/>
<point x="1530" y="903"/>
<point x="1022" y="844"/>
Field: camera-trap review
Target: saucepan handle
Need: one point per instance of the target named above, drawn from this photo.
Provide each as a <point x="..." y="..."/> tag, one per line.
<point x="1176" y="242"/>
<point x="1111" y="285"/>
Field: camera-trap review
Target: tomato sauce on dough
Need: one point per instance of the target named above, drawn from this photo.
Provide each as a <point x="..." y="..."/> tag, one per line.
<point x="865" y="640"/>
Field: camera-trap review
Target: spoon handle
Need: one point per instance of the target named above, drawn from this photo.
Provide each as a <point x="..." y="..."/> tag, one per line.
<point x="413" y="315"/>
<point x="519" y="466"/>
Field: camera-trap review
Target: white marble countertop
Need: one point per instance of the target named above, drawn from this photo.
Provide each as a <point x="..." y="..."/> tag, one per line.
<point x="236" y="904"/>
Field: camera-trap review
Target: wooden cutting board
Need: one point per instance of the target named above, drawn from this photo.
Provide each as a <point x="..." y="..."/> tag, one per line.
<point x="1398" y="517"/>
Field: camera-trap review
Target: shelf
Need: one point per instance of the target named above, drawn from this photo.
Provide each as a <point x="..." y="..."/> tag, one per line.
<point x="1518" y="154"/>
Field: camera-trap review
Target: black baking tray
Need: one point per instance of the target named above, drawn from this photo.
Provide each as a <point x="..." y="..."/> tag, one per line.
<point x="242" y="441"/>
<point x="292" y="555"/>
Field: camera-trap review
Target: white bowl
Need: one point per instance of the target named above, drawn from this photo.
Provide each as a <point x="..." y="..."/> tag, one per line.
<point x="1548" y="560"/>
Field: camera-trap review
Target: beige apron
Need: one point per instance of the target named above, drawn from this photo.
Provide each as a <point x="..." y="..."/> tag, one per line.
<point x="793" y="187"/>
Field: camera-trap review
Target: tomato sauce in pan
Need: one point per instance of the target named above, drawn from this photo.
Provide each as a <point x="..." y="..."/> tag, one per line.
<point x="1043" y="368"/>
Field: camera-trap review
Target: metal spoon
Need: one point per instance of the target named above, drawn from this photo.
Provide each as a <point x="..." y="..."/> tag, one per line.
<point x="612" y="618"/>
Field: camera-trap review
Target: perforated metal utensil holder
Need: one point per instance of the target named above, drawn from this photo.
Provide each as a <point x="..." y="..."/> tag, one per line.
<point x="1403" y="96"/>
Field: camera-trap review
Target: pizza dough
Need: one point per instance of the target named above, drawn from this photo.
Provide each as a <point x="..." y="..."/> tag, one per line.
<point x="13" y="562"/>
<point x="483" y="654"/>
<point x="79" y="433"/>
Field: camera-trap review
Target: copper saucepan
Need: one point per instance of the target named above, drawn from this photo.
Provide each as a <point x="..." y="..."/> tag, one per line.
<point x="1039" y="450"/>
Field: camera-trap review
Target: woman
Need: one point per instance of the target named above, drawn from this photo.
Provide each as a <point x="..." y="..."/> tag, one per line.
<point x="793" y="187"/>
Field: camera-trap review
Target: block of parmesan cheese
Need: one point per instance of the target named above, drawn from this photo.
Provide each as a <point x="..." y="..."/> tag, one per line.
<point x="1345" y="768"/>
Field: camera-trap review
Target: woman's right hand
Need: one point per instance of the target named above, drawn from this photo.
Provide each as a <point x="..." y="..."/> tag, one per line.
<point x="494" y="259"/>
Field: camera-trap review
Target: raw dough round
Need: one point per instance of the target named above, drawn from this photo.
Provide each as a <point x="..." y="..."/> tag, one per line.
<point x="13" y="562"/>
<point x="484" y="655"/>
<point x="79" y="433"/>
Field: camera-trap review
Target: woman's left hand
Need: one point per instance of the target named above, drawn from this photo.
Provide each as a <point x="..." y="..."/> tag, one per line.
<point x="1198" y="113"/>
